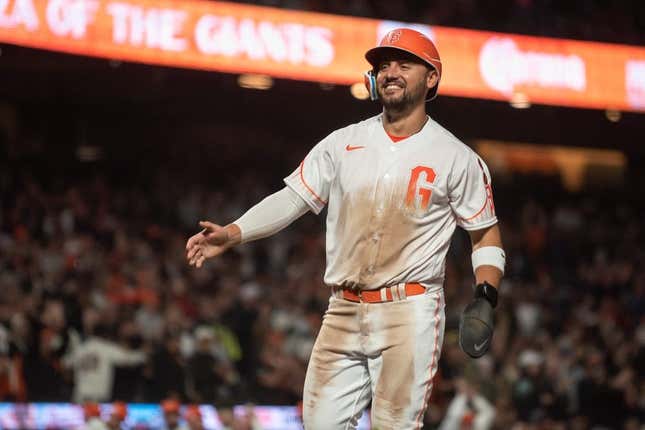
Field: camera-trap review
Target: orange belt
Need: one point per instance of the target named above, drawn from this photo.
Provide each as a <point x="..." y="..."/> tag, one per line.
<point x="374" y="296"/>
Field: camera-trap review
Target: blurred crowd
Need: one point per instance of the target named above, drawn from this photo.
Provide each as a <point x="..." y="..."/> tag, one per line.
<point x="173" y="418"/>
<point x="569" y="346"/>
<point x="98" y="303"/>
<point x="617" y="21"/>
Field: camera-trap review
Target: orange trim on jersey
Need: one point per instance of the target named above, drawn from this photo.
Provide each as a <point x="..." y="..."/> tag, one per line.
<point x="426" y="396"/>
<point x="396" y="139"/>
<point x="302" y="178"/>
<point x="477" y="214"/>
<point x="489" y="197"/>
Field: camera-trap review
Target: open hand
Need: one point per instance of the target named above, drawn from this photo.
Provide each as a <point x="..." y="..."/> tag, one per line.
<point x="208" y="243"/>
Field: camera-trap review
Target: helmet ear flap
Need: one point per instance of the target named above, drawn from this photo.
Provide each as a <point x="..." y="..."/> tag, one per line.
<point x="370" y="84"/>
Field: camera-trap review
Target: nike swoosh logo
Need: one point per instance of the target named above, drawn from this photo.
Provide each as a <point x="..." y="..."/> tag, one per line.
<point x="353" y="148"/>
<point x="481" y="345"/>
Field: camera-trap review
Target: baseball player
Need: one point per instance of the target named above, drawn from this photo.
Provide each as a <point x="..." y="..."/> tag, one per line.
<point x="93" y="363"/>
<point x="395" y="185"/>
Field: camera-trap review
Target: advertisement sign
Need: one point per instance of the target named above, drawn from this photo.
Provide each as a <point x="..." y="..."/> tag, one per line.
<point x="67" y="416"/>
<point x="239" y="38"/>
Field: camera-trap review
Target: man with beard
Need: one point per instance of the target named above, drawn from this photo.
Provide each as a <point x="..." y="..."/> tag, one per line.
<point x="396" y="186"/>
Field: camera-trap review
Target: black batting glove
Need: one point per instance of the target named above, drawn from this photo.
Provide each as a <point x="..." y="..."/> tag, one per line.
<point x="476" y="323"/>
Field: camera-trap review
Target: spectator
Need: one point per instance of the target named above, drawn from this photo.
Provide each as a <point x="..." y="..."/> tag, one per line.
<point x="93" y="364"/>
<point x="170" y="409"/>
<point x="530" y="388"/>
<point x="204" y="378"/>
<point x="42" y="362"/>
<point x="79" y="255"/>
<point x="92" y="414"/>
<point x="599" y="401"/>
<point x="468" y="410"/>
<point x="117" y="416"/>
<point x="247" y="420"/>
<point x="129" y="378"/>
<point x="193" y="417"/>
<point x="166" y="371"/>
<point x="12" y="384"/>
<point x="226" y="418"/>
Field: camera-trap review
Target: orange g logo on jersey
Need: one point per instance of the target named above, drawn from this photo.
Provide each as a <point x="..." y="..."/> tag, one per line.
<point x="420" y="178"/>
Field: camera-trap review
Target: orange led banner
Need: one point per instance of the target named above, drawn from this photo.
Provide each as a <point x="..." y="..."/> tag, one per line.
<point x="548" y="71"/>
<point x="317" y="47"/>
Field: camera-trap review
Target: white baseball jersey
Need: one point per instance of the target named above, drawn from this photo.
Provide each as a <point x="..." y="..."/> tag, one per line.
<point x="93" y="363"/>
<point x="393" y="207"/>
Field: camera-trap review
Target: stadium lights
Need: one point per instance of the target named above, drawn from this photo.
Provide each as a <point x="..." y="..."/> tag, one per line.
<point x="255" y="82"/>
<point x="359" y="91"/>
<point x="613" y="115"/>
<point x="520" y="101"/>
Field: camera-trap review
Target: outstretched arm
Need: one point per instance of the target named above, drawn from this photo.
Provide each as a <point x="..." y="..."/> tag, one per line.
<point x="271" y="215"/>
<point x="266" y="218"/>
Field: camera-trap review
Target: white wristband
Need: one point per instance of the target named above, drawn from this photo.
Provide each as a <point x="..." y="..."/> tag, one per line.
<point x="489" y="256"/>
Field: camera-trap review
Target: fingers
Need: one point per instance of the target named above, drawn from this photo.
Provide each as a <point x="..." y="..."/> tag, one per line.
<point x="195" y="240"/>
<point x="209" y="226"/>
<point x="200" y="261"/>
<point x="193" y="246"/>
<point x="196" y="256"/>
<point x="192" y="251"/>
<point x="211" y="234"/>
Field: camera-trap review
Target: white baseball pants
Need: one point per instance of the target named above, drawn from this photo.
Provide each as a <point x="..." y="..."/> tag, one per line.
<point x="384" y="352"/>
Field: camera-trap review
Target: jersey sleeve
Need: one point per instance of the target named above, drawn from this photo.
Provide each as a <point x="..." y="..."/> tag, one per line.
<point x="471" y="194"/>
<point x="312" y="179"/>
<point x="124" y="357"/>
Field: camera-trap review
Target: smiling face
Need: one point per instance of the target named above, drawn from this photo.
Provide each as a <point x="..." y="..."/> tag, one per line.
<point x="403" y="80"/>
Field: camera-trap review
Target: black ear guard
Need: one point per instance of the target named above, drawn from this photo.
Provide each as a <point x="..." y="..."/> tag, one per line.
<point x="370" y="84"/>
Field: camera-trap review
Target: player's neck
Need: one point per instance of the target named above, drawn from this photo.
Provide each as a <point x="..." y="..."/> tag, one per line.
<point x="404" y="123"/>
